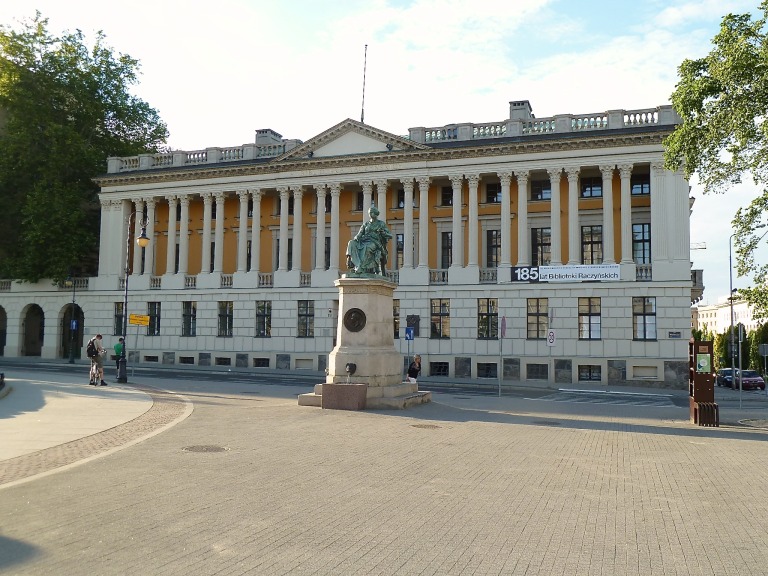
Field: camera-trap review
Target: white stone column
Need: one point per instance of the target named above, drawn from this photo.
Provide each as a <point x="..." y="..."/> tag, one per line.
<point x="184" y="235"/>
<point x="381" y="200"/>
<point x="242" y="232"/>
<point x="218" y="257"/>
<point x="625" y="171"/>
<point x="472" y="255"/>
<point x="574" y="231"/>
<point x="335" y="193"/>
<point x="136" y="268"/>
<point x="555" y="175"/>
<point x="608" y="242"/>
<point x="256" y="231"/>
<point x="298" y="228"/>
<point x="367" y="191"/>
<point x="205" y="258"/>
<point x="663" y="216"/>
<point x="170" y="254"/>
<point x="523" y="234"/>
<point x="408" y="224"/>
<point x="283" y="237"/>
<point x="149" y="252"/>
<point x="105" y="246"/>
<point x="457" y="236"/>
<point x="320" y="231"/>
<point x="505" y="221"/>
<point x="423" y="221"/>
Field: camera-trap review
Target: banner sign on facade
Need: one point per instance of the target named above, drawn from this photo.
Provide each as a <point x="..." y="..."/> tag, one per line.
<point x="567" y="273"/>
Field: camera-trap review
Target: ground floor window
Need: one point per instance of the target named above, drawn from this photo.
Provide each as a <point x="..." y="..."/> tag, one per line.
<point x="644" y="318"/>
<point x="537" y="372"/>
<point x="189" y="318"/>
<point x="487" y="318"/>
<point x="440" y="318"/>
<point x="590" y="373"/>
<point x="438" y="368"/>
<point x="263" y="319"/>
<point x="538" y="319"/>
<point x="306" y="326"/>
<point x="226" y="318"/>
<point x="487" y="370"/>
<point x="153" y="310"/>
<point x="589" y="318"/>
<point x="119" y="318"/>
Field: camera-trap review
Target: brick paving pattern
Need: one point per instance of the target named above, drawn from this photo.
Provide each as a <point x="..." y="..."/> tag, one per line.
<point x="165" y="409"/>
<point x="483" y="487"/>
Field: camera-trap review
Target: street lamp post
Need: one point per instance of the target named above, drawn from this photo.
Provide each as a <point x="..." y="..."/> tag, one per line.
<point x="142" y="241"/>
<point x="72" y="324"/>
<point x="730" y="297"/>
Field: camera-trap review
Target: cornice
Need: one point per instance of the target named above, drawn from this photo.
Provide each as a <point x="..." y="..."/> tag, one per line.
<point x="308" y="165"/>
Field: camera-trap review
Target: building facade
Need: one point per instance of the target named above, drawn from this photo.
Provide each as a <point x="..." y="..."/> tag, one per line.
<point x="554" y="249"/>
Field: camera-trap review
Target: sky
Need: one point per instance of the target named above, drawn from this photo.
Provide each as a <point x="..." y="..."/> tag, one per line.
<point x="218" y="71"/>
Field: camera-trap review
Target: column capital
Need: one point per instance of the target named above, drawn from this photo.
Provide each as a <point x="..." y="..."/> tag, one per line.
<point x="381" y="183"/>
<point x="150" y="201"/>
<point x="244" y="195"/>
<point x="607" y="170"/>
<point x="555" y="173"/>
<point x="172" y="199"/>
<point x="657" y="166"/>
<point x="207" y="198"/>
<point x="335" y="188"/>
<point x="256" y="193"/>
<point x="474" y="180"/>
<point x="522" y="177"/>
<point x="625" y="170"/>
<point x="367" y="186"/>
<point x="184" y="200"/>
<point x="298" y="192"/>
<point x="283" y="191"/>
<point x="505" y="176"/>
<point x="220" y="197"/>
<point x="407" y="184"/>
<point x="572" y="172"/>
<point x="423" y="181"/>
<point x="321" y="188"/>
<point x="456" y="180"/>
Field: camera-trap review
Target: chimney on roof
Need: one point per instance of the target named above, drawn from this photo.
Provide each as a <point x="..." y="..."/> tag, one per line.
<point x="520" y="110"/>
<point x="267" y="136"/>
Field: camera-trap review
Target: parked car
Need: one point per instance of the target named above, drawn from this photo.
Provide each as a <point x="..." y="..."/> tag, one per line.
<point x="724" y="377"/>
<point x="750" y="380"/>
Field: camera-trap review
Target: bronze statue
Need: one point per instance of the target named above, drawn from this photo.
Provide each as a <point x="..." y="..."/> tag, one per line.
<point x="367" y="251"/>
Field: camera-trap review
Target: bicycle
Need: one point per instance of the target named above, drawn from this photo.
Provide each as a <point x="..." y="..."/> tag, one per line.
<point x="93" y="375"/>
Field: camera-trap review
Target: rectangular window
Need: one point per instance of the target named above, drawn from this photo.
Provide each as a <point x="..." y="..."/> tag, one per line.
<point x="640" y="184"/>
<point x="178" y="212"/>
<point x="327" y="252"/>
<point x="248" y="256"/>
<point x="263" y="319"/>
<point x="446" y="249"/>
<point x="399" y="251"/>
<point x="440" y="318"/>
<point x="487" y="319"/>
<point x="446" y="196"/>
<point x="541" y="246"/>
<point x="438" y="368"/>
<point x="226" y="318"/>
<point x="641" y="243"/>
<point x="487" y="370"/>
<point x="591" y="186"/>
<point x="401" y="199"/>
<point x="493" y="193"/>
<point x="189" y="318"/>
<point x="250" y="207"/>
<point x="541" y="190"/>
<point x="590" y="373"/>
<point x="306" y="327"/>
<point x="538" y="318"/>
<point x="591" y="244"/>
<point x="153" y="310"/>
<point x="537" y="371"/>
<point x="644" y="318"/>
<point x="493" y="248"/>
<point x="213" y="257"/>
<point x="359" y="202"/>
<point x="119" y="318"/>
<point x="589" y="318"/>
<point x="396" y="317"/>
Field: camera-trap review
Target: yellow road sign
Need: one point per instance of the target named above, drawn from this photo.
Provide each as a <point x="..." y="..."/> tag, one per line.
<point x="138" y="319"/>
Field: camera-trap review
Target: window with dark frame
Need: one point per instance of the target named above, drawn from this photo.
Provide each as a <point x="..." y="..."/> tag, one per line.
<point x="189" y="318"/>
<point x="541" y="246"/>
<point x="153" y="310"/>
<point x="359" y="202"/>
<point x="119" y="319"/>
<point x="590" y="373"/>
<point x="641" y="243"/>
<point x="399" y="251"/>
<point x="644" y="317"/>
<point x="248" y="256"/>
<point x="446" y="196"/>
<point x="306" y="319"/>
<point x="541" y="190"/>
<point x="487" y="319"/>
<point x="446" y="249"/>
<point x="591" y="244"/>
<point x="225" y="318"/>
<point x="589" y="319"/>
<point x="591" y="186"/>
<point x="640" y="184"/>
<point x="537" y="318"/>
<point x="493" y="192"/>
<point x="396" y="317"/>
<point x="440" y="318"/>
<point x="493" y="248"/>
<point x="327" y="252"/>
<point x="263" y="319"/>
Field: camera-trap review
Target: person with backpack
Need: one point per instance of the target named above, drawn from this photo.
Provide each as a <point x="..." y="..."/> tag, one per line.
<point x="95" y="351"/>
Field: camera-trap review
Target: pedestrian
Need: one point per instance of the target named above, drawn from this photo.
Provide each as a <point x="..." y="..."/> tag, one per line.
<point x="414" y="369"/>
<point x="95" y="351"/>
<point x="119" y="347"/>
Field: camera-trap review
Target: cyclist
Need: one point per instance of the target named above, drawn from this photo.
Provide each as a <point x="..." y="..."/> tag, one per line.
<point x="95" y="351"/>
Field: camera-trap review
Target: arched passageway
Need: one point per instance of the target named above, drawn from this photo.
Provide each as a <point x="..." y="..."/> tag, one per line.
<point x="33" y="331"/>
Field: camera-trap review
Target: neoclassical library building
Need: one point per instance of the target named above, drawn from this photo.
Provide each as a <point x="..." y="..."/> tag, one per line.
<point x="551" y="249"/>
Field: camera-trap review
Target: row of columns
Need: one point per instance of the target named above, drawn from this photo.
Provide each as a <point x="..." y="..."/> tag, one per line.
<point x="422" y="182"/>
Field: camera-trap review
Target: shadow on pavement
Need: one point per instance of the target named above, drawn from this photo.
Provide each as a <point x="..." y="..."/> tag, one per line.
<point x="15" y="552"/>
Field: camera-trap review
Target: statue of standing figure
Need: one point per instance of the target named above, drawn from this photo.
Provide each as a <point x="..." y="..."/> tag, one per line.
<point x="367" y="251"/>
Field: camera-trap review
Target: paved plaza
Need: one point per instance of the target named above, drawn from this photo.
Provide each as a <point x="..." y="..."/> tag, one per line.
<point x="179" y="477"/>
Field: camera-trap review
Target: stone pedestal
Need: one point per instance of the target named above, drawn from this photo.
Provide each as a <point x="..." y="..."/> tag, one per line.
<point x="365" y="339"/>
<point x="344" y="396"/>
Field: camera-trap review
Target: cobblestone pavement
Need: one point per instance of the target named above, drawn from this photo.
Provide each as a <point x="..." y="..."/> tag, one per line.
<point x="166" y="409"/>
<point x="464" y="485"/>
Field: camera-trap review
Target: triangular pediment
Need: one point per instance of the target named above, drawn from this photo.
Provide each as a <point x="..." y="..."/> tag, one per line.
<point x="351" y="138"/>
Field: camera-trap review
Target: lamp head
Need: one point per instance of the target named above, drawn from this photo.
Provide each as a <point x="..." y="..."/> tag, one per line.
<point x="143" y="240"/>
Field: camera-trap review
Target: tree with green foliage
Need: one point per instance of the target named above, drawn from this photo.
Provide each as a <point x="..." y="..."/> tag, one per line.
<point x="723" y="101"/>
<point x="720" y="351"/>
<point x="66" y="107"/>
